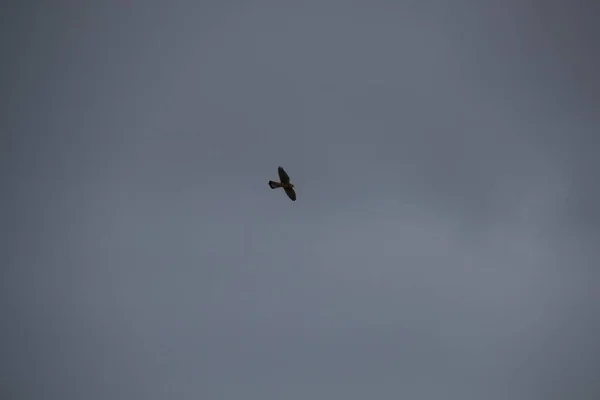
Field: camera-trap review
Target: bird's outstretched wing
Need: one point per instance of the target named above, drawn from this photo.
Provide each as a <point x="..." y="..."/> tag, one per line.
<point x="283" y="176"/>
<point x="291" y="193"/>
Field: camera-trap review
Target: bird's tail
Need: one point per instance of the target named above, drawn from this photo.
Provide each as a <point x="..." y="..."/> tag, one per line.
<point x="274" y="185"/>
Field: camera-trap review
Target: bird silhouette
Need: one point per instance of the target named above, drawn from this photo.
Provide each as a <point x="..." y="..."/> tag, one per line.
<point x="284" y="182"/>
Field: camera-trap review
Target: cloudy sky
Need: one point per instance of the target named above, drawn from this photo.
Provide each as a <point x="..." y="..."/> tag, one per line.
<point x="444" y="244"/>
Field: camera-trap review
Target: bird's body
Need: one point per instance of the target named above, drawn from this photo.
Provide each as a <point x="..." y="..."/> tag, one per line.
<point x="284" y="183"/>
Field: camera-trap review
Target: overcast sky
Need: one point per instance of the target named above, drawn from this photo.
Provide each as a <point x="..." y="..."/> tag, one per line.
<point x="445" y="241"/>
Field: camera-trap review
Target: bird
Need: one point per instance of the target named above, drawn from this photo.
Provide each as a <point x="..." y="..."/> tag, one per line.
<point x="284" y="182"/>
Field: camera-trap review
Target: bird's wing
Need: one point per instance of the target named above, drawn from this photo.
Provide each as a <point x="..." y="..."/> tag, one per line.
<point x="291" y="193"/>
<point x="283" y="176"/>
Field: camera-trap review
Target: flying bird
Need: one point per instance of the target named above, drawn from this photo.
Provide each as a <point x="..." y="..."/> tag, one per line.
<point x="284" y="183"/>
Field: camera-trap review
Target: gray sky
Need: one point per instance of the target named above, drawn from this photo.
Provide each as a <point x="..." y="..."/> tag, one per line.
<point x="444" y="244"/>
